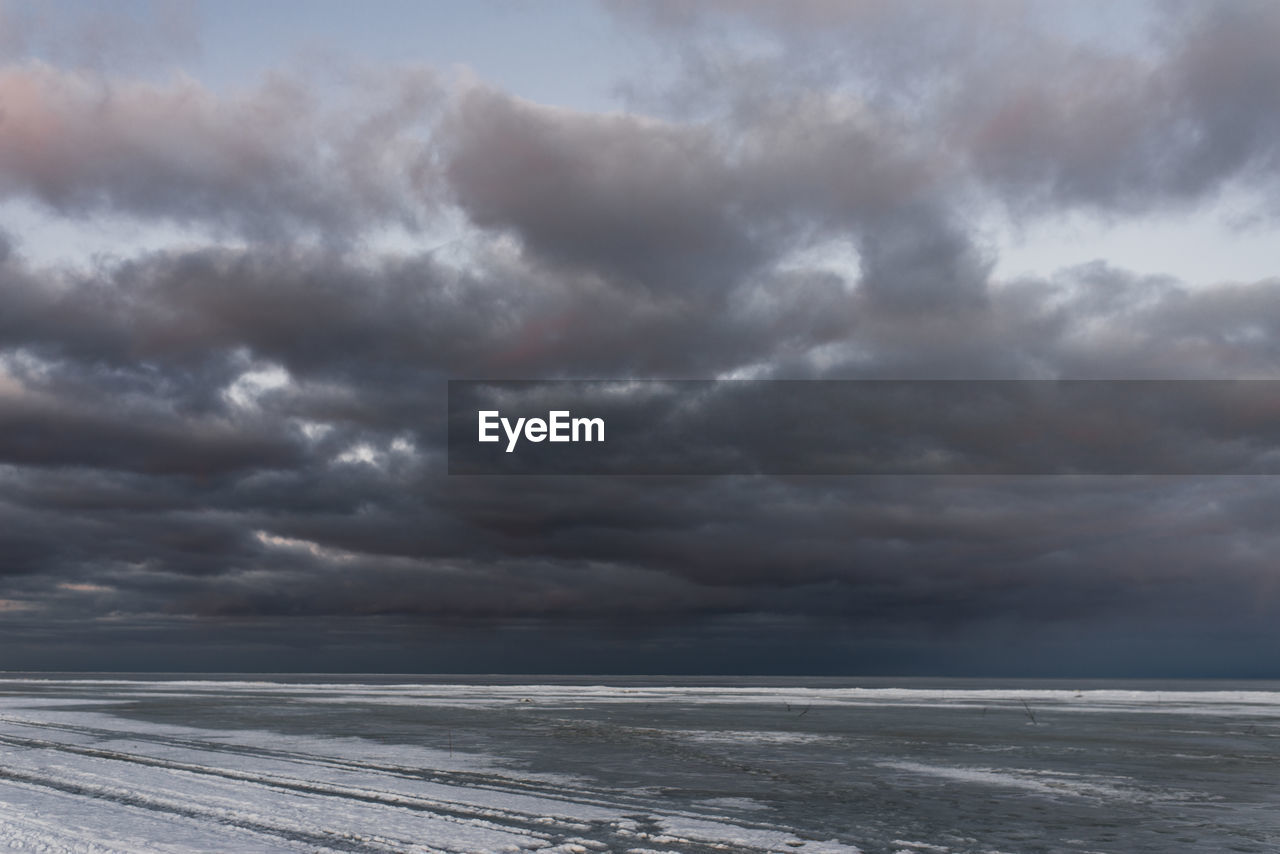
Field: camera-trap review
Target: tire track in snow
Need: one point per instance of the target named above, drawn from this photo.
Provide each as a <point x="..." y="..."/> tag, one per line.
<point x="537" y="828"/>
<point x="473" y="780"/>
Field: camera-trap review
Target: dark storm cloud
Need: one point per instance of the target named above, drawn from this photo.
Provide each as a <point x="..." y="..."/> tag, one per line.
<point x="230" y="437"/>
<point x="640" y="199"/>
<point x="692" y="210"/>
<point x="42" y="433"/>
<point x="154" y="493"/>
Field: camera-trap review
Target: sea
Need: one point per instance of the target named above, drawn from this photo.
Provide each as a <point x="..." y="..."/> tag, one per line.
<point x="101" y="763"/>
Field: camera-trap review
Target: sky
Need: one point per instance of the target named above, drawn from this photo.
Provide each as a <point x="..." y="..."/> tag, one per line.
<point x="244" y="246"/>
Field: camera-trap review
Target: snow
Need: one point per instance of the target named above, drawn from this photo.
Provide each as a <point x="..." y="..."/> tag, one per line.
<point x="97" y="782"/>
<point x="257" y="765"/>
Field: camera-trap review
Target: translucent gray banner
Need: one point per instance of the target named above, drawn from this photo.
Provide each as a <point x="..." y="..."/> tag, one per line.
<point x="833" y="427"/>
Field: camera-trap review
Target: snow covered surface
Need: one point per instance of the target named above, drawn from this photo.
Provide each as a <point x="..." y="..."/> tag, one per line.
<point x="132" y="765"/>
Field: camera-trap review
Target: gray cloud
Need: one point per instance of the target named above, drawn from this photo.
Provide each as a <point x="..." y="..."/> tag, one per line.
<point x="1172" y="108"/>
<point x="1129" y="134"/>
<point x="641" y="199"/>
<point x="134" y="471"/>
<point x="250" y="437"/>
<point x="259" y="163"/>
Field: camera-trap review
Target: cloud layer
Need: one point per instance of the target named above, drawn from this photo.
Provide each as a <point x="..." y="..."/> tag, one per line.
<point x="248" y="433"/>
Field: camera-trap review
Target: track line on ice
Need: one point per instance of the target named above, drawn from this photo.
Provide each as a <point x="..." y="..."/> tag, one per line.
<point x="532" y="826"/>
<point x="466" y="781"/>
<point x="327" y="840"/>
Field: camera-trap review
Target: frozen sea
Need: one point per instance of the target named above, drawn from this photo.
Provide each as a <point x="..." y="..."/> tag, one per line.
<point x="489" y="764"/>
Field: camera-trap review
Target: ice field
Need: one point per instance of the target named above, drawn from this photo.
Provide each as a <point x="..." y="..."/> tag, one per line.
<point x="635" y="765"/>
